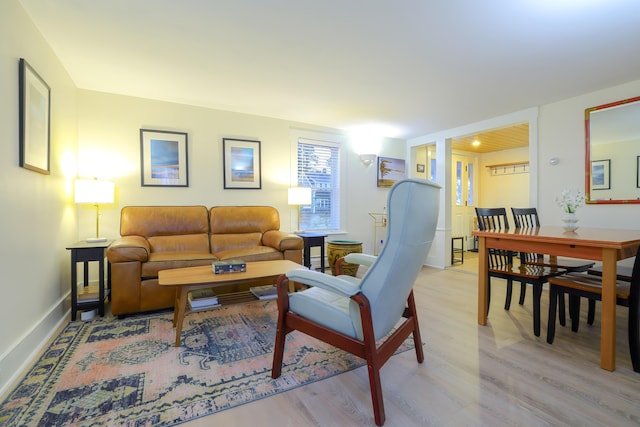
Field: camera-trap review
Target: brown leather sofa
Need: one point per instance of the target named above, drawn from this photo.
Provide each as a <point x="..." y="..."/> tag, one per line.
<point x="155" y="238"/>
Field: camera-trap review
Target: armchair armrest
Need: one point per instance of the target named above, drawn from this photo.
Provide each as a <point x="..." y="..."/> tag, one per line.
<point x="360" y="259"/>
<point x="341" y="285"/>
<point x="282" y="241"/>
<point x="129" y="248"/>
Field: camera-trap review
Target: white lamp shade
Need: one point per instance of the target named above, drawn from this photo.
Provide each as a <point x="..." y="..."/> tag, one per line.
<point x="299" y="196"/>
<point x="93" y="191"/>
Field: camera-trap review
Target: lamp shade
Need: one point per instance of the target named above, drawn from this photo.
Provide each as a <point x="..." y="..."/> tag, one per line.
<point x="94" y="191"/>
<point x="299" y="196"/>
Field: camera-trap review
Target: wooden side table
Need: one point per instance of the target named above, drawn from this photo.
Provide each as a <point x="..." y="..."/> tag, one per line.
<point x="312" y="240"/>
<point x="86" y="252"/>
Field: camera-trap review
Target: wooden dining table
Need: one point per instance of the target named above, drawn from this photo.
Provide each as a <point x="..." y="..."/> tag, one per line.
<point x="598" y="244"/>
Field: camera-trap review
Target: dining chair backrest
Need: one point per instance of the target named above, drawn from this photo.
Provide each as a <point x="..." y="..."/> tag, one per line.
<point x="495" y="219"/>
<point x="525" y="217"/>
<point x="492" y="219"/>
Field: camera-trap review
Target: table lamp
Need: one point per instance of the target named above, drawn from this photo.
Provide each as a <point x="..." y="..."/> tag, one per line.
<point x="94" y="192"/>
<point x="299" y="196"/>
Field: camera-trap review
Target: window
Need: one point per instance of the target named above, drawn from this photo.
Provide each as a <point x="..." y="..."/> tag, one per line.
<point x="319" y="169"/>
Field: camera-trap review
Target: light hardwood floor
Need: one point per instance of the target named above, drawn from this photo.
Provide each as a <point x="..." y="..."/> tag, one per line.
<point x="494" y="375"/>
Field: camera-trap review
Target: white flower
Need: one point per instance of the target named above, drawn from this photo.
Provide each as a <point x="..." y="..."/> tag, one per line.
<point x="569" y="202"/>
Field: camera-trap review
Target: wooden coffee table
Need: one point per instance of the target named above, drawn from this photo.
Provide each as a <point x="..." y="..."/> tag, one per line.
<point x="190" y="278"/>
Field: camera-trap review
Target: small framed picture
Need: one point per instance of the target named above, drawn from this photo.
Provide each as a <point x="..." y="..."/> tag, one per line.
<point x="389" y="171"/>
<point x="600" y="174"/>
<point x="241" y="164"/>
<point x="163" y="156"/>
<point x="35" y="113"/>
<point x="419" y="168"/>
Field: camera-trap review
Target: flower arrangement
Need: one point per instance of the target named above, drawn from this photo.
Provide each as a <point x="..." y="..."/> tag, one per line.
<point x="570" y="202"/>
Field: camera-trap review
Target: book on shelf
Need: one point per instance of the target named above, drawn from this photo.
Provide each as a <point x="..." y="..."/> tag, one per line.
<point x="200" y="298"/>
<point x="229" y="266"/>
<point x="264" y="292"/>
<point x="198" y="306"/>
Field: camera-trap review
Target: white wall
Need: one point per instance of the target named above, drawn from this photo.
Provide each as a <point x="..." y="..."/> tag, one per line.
<point x="37" y="218"/>
<point x="504" y="189"/>
<point x="109" y="146"/>
<point x="562" y="135"/>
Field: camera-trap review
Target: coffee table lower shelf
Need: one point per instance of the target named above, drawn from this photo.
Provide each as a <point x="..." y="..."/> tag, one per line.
<point x="191" y="278"/>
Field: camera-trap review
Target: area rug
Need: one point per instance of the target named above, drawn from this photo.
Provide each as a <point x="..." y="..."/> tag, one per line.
<point x="127" y="371"/>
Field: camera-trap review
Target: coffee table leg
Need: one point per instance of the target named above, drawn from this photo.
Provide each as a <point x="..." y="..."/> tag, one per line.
<point x="176" y="303"/>
<point x="179" y="311"/>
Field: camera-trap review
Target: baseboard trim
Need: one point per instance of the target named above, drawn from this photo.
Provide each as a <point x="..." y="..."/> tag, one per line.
<point x="22" y="354"/>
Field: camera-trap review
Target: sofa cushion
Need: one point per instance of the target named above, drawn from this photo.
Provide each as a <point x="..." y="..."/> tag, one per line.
<point x="150" y="221"/>
<point x="251" y="253"/>
<point x="223" y="242"/>
<point x="168" y="260"/>
<point x="180" y="243"/>
<point x="243" y="219"/>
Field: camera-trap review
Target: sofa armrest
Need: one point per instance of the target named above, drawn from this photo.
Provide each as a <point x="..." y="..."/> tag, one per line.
<point x="129" y="248"/>
<point x="282" y="241"/>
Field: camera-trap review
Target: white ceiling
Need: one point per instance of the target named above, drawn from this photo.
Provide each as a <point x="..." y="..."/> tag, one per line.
<point x="411" y="66"/>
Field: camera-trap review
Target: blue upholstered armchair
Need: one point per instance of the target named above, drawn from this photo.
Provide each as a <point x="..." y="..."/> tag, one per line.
<point x="351" y="313"/>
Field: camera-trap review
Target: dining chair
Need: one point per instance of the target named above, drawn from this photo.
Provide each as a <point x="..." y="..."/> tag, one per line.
<point x="528" y="218"/>
<point x="578" y="285"/>
<point x="370" y="316"/>
<point x="501" y="265"/>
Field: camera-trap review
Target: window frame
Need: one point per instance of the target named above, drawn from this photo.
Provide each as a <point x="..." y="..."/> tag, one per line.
<point x="328" y="138"/>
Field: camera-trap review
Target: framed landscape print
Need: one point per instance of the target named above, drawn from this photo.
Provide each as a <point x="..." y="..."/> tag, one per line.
<point x="163" y="158"/>
<point x="241" y="164"/>
<point x="389" y="171"/>
<point x="35" y="113"/>
<point x="600" y="174"/>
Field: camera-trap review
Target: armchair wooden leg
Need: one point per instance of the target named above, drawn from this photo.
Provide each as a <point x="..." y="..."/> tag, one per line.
<point x="373" y="360"/>
<point x="417" y="339"/>
<point x="278" y="351"/>
<point x="282" y="329"/>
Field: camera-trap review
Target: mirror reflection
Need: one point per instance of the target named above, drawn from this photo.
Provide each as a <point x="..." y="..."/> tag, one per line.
<point x="613" y="152"/>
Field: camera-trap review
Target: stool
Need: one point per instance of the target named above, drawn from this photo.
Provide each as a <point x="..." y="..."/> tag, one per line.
<point x="455" y="250"/>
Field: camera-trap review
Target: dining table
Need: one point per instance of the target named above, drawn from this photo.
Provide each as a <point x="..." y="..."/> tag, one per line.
<point x="599" y="244"/>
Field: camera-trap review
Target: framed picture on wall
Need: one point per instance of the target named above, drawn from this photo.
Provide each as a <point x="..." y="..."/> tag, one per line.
<point x="390" y="170"/>
<point x="163" y="158"/>
<point x="601" y="174"/>
<point x="241" y="164"/>
<point x="419" y="168"/>
<point x="35" y="113"/>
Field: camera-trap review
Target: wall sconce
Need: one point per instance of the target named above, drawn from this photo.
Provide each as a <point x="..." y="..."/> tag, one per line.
<point x="299" y="196"/>
<point x="94" y="192"/>
<point x="367" y="159"/>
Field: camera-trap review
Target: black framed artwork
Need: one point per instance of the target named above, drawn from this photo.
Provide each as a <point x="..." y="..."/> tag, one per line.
<point x="241" y="164"/>
<point x="34" y="121"/>
<point x="163" y="158"/>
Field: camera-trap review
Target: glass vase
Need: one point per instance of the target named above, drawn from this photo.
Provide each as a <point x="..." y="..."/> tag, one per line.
<point x="570" y="222"/>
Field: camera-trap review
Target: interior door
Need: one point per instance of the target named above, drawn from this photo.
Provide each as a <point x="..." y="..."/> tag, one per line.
<point x="464" y="175"/>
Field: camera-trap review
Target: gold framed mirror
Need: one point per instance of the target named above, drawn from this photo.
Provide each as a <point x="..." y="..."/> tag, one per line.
<point x="612" y="162"/>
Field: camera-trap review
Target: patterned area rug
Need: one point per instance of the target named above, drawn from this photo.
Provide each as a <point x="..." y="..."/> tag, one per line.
<point x="127" y="372"/>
